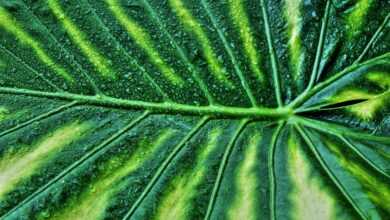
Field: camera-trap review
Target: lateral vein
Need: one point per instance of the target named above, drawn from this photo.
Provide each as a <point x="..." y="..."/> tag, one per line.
<point x="39" y="117"/>
<point x="223" y="166"/>
<point x="272" y="53"/>
<point x="79" y="162"/>
<point x="331" y="175"/>
<point x="237" y="69"/>
<point x="164" y="166"/>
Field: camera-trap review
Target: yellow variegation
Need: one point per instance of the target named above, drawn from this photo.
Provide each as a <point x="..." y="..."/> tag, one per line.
<point x="239" y="109"/>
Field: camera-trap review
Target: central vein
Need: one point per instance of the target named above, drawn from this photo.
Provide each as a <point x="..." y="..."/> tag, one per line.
<point x="164" y="107"/>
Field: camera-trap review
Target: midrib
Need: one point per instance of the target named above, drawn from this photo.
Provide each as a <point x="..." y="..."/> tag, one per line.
<point x="163" y="107"/>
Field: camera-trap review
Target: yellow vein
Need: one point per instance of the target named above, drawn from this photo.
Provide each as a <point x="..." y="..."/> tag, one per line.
<point x="221" y="35"/>
<point x="134" y="61"/>
<point x="272" y="53"/>
<point x="182" y="54"/>
<point x="61" y="46"/>
<point x="164" y="166"/>
<point x="38" y="118"/>
<point x="79" y="162"/>
<point x="78" y="37"/>
<point x="225" y="159"/>
<point x="165" y="107"/>
<point x="143" y="39"/>
<point x="13" y="27"/>
<point x="193" y="26"/>
<point x="15" y="57"/>
<point x="320" y="46"/>
<point x="241" y="21"/>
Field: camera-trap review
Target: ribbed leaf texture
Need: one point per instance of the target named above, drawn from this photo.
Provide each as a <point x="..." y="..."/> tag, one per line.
<point x="194" y="109"/>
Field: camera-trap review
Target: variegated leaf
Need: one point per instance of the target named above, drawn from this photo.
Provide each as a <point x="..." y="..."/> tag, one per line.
<point x="184" y="109"/>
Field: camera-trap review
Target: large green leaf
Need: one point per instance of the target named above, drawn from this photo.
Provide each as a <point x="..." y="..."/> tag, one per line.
<point x="194" y="109"/>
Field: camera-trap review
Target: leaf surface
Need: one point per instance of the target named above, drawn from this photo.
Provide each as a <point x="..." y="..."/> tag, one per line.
<point x="183" y="109"/>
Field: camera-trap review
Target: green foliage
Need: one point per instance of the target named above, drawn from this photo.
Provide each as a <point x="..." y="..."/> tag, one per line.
<point x="184" y="109"/>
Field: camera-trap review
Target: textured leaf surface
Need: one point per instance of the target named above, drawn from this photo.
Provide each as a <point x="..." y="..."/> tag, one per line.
<point x="183" y="109"/>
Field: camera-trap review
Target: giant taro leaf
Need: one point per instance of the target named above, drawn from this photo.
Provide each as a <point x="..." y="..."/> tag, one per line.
<point x="194" y="109"/>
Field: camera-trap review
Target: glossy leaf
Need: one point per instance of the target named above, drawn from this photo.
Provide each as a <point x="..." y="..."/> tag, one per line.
<point x="183" y="109"/>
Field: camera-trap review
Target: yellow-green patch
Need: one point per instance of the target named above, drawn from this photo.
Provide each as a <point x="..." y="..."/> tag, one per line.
<point x="143" y="39"/>
<point x="368" y="109"/>
<point x="377" y="191"/>
<point x="193" y="26"/>
<point x="244" y="203"/>
<point x="93" y="202"/>
<point x="8" y="23"/>
<point x="176" y="203"/>
<point x="351" y="94"/>
<point x="356" y="17"/>
<point x="293" y="16"/>
<point x="382" y="79"/>
<point x="240" y="19"/>
<point x="310" y="200"/>
<point x="81" y="40"/>
<point x="16" y="166"/>
<point x="365" y="110"/>
<point x="3" y="113"/>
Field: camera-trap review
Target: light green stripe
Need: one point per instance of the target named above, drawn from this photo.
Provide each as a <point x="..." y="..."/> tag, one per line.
<point x="194" y="27"/>
<point x="382" y="79"/>
<point x="365" y="110"/>
<point x="143" y="39"/>
<point x="79" y="38"/>
<point x="12" y="26"/>
<point x="244" y="204"/>
<point x="18" y="166"/>
<point x="93" y="202"/>
<point x="293" y="16"/>
<point x="377" y="191"/>
<point x="3" y="113"/>
<point x="240" y="19"/>
<point x="310" y="200"/>
<point x="356" y="18"/>
<point x="177" y="203"/>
